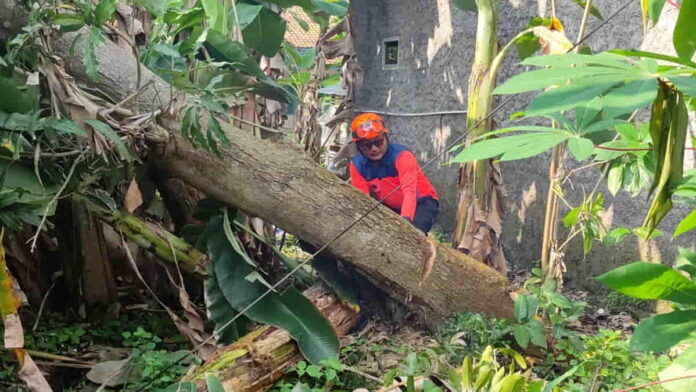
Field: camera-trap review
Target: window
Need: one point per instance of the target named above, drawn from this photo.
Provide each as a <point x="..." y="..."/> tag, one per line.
<point x="390" y="53"/>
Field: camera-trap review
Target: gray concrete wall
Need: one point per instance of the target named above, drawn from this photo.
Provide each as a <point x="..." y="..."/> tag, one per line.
<point x="436" y="51"/>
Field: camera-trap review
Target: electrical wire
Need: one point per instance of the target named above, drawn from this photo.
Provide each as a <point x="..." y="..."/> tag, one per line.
<point x="361" y="217"/>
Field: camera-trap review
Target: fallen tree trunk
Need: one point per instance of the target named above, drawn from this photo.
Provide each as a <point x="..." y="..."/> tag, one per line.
<point x="280" y="185"/>
<point x="257" y="360"/>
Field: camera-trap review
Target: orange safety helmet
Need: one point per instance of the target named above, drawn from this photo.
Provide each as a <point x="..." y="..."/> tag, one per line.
<point x="367" y="126"/>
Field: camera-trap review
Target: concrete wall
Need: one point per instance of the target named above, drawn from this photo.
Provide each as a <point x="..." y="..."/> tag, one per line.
<point x="436" y="51"/>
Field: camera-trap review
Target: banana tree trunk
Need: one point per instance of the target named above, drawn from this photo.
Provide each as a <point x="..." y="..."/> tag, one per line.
<point x="478" y="223"/>
<point x="279" y="184"/>
<point x="257" y="360"/>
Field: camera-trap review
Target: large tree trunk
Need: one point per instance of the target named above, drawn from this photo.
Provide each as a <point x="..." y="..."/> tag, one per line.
<point x="280" y="185"/>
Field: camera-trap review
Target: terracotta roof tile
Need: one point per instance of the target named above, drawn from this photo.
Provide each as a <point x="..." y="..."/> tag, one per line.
<point x="295" y="34"/>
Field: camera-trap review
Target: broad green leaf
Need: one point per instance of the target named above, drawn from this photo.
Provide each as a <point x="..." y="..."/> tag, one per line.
<point x="593" y="10"/>
<point x="265" y="33"/>
<point x="549" y="387"/>
<point x="221" y="312"/>
<point x="684" y="35"/>
<point x="685" y="83"/>
<point x="466" y="5"/>
<point x="684" y="365"/>
<point x="517" y="144"/>
<point x="217" y="15"/>
<point x="586" y="114"/>
<point x="104" y="11"/>
<point x="289" y="310"/>
<point x="687" y="262"/>
<point x="542" y="78"/>
<point x="651" y="281"/>
<point x="687" y="224"/>
<point x="213" y="383"/>
<point x="663" y="331"/>
<point x="654" y="10"/>
<point x="527" y="45"/>
<point x="605" y="59"/>
<point x="223" y="49"/>
<point x="615" y="177"/>
<point x="539" y="145"/>
<point x="336" y="7"/>
<point x="568" y="97"/>
<point x="65" y="126"/>
<point x="247" y="12"/>
<point x="629" y="97"/>
<point x="537" y="333"/>
<point x="520" y="308"/>
<point x="68" y="22"/>
<point x="615" y="236"/>
<point x="581" y="148"/>
<point x="652" y="55"/>
<point x="95" y="39"/>
<point x="599" y="126"/>
<point x="110" y="134"/>
<point x="12" y="100"/>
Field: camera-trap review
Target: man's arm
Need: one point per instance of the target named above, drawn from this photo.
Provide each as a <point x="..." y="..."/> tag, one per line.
<point x="407" y="167"/>
<point x="358" y="181"/>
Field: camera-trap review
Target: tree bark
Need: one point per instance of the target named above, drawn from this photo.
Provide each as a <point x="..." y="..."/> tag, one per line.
<point x="280" y="185"/>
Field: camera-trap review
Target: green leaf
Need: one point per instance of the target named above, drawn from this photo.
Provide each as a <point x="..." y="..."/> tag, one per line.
<point x="68" y="22"/>
<point x="543" y="78"/>
<point x="652" y="55"/>
<point x="12" y="100"/>
<point x="581" y="148"/>
<point x="537" y="333"/>
<point x="593" y="10"/>
<point x="511" y="147"/>
<point x="605" y="59"/>
<point x="247" y="12"/>
<point x="217" y="15"/>
<point x="314" y="371"/>
<point x="552" y="384"/>
<point x="520" y="308"/>
<point x="95" y="39"/>
<point x="265" y="33"/>
<point x="213" y="383"/>
<point x="615" y="236"/>
<point x="65" y="126"/>
<point x="336" y="7"/>
<point x="687" y="262"/>
<point x="655" y="9"/>
<point x="560" y="301"/>
<point x="684" y="365"/>
<point x="289" y="310"/>
<point x="615" y="177"/>
<point x="221" y="313"/>
<point x="183" y="386"/>
<point x="466" y="5"/>
<point x="684" y="35"/>
<point x="651" y="281"/>
<point x="685" y="83"/>
<point x="629" y="97"/>
<point x="687" y="224"/>
<point x="663" y="331"/>
<point x="104" y="11"/>
<point x="522" y="336"/>
<point x="223" y="49"/>
<point x="110" y="134"/>
<point x="570" y="96"/>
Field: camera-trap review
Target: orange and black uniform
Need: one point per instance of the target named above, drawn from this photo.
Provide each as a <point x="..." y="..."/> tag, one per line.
<point x="416" y="200"/>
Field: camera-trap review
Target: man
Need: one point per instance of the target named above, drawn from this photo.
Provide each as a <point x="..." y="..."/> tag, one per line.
<point x="390" y="173"/>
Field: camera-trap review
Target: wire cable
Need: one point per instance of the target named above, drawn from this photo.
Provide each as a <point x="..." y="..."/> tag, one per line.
<point x="362" y="216"/>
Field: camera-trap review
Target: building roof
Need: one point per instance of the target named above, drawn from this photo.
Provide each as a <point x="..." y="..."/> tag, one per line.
<point x="295" y="33"/>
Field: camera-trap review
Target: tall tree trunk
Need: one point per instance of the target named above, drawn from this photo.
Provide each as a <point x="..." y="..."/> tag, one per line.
<point x="280" y="185"/>
<point x="478" y="223"/>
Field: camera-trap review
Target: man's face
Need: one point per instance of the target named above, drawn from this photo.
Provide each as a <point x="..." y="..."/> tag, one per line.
<point x="373" y="149"/>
